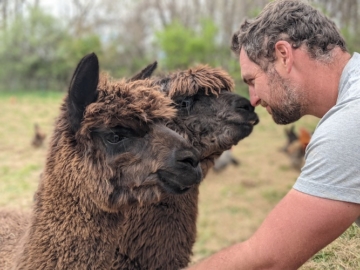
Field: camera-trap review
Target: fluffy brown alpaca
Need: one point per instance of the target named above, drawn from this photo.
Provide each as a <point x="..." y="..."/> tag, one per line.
<point x="110" y="150"/>
<point x="39" y="137"/>
<point x="13" y="224"/>
<point x="161" y="235"/>
<point x="296" y="145"/>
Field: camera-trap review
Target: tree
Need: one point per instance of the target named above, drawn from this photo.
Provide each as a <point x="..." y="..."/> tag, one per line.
<point x="180" y="47"/>
<point x="39" y="53"/>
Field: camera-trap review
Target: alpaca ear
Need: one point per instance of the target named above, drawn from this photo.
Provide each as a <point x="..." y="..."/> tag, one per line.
<point x="83" y="89"/>
<point x="145" y="73"/>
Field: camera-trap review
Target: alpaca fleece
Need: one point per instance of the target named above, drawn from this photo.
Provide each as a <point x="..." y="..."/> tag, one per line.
<point x="110" y="150"/>
<point x="161" y="235"/>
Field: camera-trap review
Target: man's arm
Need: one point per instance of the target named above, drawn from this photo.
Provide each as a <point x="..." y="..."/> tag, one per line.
<point x="298" y="227"/>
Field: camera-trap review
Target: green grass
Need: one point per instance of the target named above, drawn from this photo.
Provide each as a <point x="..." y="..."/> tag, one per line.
<point x="20" y="163"/>
<point x="232" y="204"/>
<point x="273" y="196"/>
<point x="24" y="96"/>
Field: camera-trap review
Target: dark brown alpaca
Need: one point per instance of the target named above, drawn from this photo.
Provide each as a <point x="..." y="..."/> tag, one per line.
<point x="39" y="137"/>
<point x="161" y="235"/>
<point x="13" y="224"/>
<point x="110" y="150"/>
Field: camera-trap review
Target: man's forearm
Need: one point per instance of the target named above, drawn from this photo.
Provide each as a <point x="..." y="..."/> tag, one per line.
<point x="236" y="257"/>
<point x="298" y="227"/>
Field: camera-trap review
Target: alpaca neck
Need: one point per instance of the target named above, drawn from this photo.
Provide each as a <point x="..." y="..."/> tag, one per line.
<point x="67" y="230"/>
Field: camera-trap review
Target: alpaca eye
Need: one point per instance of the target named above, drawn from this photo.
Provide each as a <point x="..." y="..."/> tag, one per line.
<point x="186" y="103"/>
<point x="114" y="138"/>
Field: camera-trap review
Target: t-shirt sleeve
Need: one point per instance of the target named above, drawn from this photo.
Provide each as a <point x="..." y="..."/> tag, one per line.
<point x="332" y="159"/>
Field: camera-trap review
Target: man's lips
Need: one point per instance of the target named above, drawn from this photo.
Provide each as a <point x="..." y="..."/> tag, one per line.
<point x="265" y="105"/>
<point x="268" y="109"/>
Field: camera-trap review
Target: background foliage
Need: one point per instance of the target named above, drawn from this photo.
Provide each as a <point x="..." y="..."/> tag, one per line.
<point x="42" y="40"/>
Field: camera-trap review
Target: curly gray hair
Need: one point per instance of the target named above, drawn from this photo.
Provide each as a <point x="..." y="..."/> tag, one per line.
<point x="291" y="20"/>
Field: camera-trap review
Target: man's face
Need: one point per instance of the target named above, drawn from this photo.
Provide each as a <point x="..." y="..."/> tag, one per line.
<point x="279" y="96"/>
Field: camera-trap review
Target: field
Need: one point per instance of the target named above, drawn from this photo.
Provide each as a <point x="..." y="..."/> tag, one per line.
<point x="233" y="203"/>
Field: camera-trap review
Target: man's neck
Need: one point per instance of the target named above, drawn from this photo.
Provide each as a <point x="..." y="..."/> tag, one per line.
<point x="324" y="79"/>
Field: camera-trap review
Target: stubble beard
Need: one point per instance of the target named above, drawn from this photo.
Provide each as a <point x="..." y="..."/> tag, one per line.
<point x="286" y="108"/>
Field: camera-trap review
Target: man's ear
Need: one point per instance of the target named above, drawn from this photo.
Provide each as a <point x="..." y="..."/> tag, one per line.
<point x="284" y="55"/>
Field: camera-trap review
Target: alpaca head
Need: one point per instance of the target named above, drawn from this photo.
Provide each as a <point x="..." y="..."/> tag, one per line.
<point x="209" y="114"/>
<point x="114" y="143"/>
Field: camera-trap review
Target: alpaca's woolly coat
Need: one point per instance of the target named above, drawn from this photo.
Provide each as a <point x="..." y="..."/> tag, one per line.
<point x="86" y="185"/>
<point x="13" y="225"/>
<point x="161" y="235"/>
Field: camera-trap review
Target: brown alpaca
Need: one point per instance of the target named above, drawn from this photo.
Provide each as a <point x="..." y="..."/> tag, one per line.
<point x="110" y="150"/>
<point x="291" y="136"/>
<point x="296" y="145"/>
<point x="13" y="224"/>
<point x="161" y="235"/>
<point x="39" y="137"/>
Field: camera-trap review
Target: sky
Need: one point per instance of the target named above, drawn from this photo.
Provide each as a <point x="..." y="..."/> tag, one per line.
<point x="56" y="7"/>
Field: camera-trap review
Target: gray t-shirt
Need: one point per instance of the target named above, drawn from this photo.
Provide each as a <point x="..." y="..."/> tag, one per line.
<point x="332" y="159"/>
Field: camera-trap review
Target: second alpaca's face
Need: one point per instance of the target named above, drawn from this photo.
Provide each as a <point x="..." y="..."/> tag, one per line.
<point x="214" y="123"/>
<point x="209" y="115"/>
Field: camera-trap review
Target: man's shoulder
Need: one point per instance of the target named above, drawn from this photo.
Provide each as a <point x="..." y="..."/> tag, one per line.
<point x="349" y="85"/>
<point x="343" y="117"/>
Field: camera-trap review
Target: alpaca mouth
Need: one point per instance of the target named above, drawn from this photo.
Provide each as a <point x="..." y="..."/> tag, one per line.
<point x="169" y="185"/>
<point x="240" y="130"/>
<point x="249" y="122"/>
<point x="244" y="126"/>
<point x="254" y="122"/>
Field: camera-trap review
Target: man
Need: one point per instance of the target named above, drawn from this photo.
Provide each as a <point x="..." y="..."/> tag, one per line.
<point x="295" y="63"/>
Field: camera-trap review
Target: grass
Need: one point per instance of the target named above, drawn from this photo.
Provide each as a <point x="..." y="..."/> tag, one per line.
<point x="233" y="203"/>
<point x="20" y="164"/>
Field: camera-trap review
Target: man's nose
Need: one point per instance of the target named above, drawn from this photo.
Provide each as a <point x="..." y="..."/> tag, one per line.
<point x="254" y="99"/>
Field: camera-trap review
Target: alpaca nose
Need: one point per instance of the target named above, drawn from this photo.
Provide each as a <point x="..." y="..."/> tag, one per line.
<point x="187" y="157"/>
<point x="243" y="104"/>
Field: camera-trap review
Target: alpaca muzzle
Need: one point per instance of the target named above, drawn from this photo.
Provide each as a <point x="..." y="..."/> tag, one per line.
<point x="182" y="172"/>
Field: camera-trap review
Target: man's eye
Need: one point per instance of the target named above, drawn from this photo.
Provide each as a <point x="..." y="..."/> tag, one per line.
<point x="114" y="138"/>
